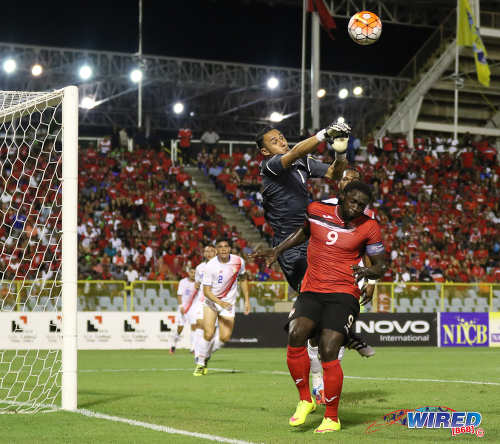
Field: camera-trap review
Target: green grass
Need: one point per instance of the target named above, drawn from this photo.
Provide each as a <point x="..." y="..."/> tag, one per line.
<point x="254" y="404"/>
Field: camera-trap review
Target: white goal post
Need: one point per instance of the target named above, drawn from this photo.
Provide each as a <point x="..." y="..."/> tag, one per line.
<point x="38" y="248"/>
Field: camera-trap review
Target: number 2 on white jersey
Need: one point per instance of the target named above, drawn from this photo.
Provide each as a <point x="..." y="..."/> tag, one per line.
<point x="332" y="237"/>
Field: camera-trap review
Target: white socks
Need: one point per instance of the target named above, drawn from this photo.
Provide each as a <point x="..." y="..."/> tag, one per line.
<point x="316" y="369"/>
<point x="217" y="343"/>
<point x="177" y="338"/>
<point x="341" y="353"/>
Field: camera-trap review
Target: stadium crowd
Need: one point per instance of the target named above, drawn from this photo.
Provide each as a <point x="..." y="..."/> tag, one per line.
<point x="142" y="218"/>
<point x="438" y="203"/>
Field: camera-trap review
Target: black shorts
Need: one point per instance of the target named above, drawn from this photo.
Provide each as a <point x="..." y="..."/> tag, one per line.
<point x="293" y="263"/>
<point x="335" y="311"/>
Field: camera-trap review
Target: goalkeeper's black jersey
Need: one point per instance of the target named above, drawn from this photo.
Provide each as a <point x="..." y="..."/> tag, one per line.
<point x="284" y="191"/>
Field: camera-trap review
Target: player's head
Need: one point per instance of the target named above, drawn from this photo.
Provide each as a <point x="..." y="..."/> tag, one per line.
<point x="223" y="247"/>
<point x="271" y="141"/>
<point x="349" y="174"/>
<point x="209" y="252"/>
<point x="191" y="273"/>
<point x="356" y="197"/>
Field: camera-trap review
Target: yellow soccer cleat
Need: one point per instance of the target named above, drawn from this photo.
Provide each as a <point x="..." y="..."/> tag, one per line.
<point x="328" y="425"/>
<point x="205" y="370"/>
<point x="300" y="415"/>
<point x="200" y="370"/>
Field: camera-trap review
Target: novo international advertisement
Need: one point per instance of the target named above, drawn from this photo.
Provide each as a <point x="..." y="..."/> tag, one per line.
<point x="398" y="329"/>
<point x="378" y="329"/>
<point x="495" y="329"/>
<point x="464" y="329"/>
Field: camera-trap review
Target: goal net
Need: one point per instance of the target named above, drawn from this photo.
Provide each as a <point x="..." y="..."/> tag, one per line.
<point x="38" y="268"/>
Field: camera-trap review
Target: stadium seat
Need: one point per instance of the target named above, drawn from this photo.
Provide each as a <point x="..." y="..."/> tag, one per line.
<point x="138" y="292"/>
<point x="469" y="302"/>
<point x="418" y="303"/>
<point x="456" y="303"/>
<point x="404" y="302"/>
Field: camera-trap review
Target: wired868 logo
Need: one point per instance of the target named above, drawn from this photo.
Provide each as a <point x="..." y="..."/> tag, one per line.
<point x="433" y="417"/>
<point x="458" y="422"/>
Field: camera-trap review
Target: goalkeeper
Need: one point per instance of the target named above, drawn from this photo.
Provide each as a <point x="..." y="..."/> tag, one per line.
<point x="284" y="174"/>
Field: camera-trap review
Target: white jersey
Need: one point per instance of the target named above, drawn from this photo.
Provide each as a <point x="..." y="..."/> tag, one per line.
<point x="198" y="277"/>
<point x="187" y="292"/>
<point x="223" y="277"/>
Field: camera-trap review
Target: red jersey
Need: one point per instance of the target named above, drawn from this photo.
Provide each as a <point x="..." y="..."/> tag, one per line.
<point x="333" y="249"/>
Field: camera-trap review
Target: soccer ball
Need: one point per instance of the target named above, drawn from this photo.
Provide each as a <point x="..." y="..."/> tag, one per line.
<point x="365" y="27"/>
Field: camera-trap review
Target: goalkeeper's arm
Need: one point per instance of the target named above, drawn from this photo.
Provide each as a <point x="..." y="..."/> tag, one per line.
<point x="336" y="169"/>
<point x="307" y="146"/>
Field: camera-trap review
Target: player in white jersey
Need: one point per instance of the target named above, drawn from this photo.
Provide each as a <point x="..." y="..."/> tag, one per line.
<point x="187" y="293"/>
<point x="220" y="287"/>
<point x="209" y="253"/>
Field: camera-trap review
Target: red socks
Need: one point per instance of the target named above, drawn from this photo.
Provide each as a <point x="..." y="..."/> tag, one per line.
<point x="333" y="377"/>
<point x="299" y="365"/>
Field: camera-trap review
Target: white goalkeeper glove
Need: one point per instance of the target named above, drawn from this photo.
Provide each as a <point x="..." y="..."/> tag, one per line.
<point x="334" y="131"/>
<point x="337" y="135"/>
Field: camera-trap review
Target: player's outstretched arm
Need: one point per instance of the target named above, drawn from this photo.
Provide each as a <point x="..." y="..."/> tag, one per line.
<point x="307" y="146"/>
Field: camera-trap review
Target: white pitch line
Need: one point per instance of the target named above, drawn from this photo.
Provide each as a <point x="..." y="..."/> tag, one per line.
<point x="159" y="428"/>
<point x="278" y="372"/>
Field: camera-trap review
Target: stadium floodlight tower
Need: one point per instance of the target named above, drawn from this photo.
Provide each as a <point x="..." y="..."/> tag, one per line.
<point x="39" y="131"/>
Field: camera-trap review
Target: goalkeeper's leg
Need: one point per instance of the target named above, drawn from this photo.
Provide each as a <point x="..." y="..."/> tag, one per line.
<point x="355" y="342"/>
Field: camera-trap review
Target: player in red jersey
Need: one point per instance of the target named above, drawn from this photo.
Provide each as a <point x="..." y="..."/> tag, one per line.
<point x="339" y="235"/>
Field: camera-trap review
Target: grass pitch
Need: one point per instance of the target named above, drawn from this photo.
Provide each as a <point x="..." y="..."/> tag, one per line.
<point x="248" y="395"/>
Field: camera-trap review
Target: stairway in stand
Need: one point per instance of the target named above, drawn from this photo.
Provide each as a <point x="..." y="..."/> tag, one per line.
<point x="230" y="213"/>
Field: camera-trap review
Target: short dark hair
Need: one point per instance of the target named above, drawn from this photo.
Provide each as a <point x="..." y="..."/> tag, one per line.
<point x="223" y="239"/>
<point x="360" y="186"/>
<point x="259" y="138"/>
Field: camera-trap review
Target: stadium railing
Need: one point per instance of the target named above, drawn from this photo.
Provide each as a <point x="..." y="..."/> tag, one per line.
<point x="269" y="296"/>
<point x="416" y="297"/>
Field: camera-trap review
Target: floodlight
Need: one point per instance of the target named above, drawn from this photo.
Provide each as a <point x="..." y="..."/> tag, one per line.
<point x="9" y="66"/>
<point x="85" y="72"/>
<point x="273" y="83"/>
<point x="136" y="75"/>
<point x="343" y="93"/>
<point x="178" y="108"/>
<point x="36" y="70"/>
<point x="87" y="103"/>
<point x="276" y="117"/>
<point x="357" y="91"/>
<point x="321" y="93"/>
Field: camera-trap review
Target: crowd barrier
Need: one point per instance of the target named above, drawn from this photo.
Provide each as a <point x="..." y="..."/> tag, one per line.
<point x="155" y="330"/>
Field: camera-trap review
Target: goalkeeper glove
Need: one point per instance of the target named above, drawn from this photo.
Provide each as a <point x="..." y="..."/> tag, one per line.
<point x="334" y="131"/>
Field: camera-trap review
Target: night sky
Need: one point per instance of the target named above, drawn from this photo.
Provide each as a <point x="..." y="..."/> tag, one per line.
<point x="226" y="30"/>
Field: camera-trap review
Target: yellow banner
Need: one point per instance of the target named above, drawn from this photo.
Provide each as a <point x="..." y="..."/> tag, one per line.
<point x="468" y="35"/>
